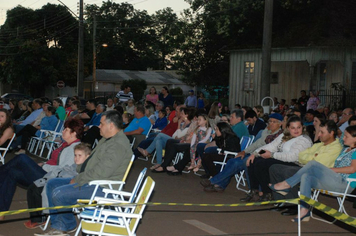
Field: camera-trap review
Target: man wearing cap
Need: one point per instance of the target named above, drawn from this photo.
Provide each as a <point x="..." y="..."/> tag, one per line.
<point x="324" y="152"/>
<point x="220" y="181"/>
<point x="309" y="117"/>
<point x="191" y="100"/>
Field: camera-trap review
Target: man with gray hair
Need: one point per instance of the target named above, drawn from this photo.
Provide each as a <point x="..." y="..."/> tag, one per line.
<point x="159" y="106"/>
<point x="237" y="124"/>
<point x="108" y="161"/>
<point x="344" y="121"/>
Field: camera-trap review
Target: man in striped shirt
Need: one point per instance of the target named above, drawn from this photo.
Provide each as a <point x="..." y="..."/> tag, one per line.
<point x="125" y="94"/>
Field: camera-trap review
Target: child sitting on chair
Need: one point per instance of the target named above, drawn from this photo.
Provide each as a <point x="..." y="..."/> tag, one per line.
<point x="36" y="194"/>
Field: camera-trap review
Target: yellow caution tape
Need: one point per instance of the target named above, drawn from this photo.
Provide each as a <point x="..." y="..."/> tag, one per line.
<point x="330" y="211"/>
<point x="292" y="201"/>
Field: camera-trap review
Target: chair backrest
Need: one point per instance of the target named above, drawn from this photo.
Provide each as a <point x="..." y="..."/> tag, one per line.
<point x="128" y="168"/>
<point x="60" y="126"/>
<point x="139" y="181"/>
<point x="130" y="223"/>
<point x="149" y="131"/>
<point x="2" y="155"/>
<point x="245" y="142"/>
<point x="142" y="198"/>
<point x="133" y="142"/>
<point x="94" y="144"/>
<point x="252" y="139"/>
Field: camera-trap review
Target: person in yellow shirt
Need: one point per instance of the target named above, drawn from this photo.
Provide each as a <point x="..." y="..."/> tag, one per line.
<point x="324" y="152"/>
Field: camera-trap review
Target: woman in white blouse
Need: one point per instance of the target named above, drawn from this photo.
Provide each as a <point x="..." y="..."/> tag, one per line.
<point x="283" y="150"/>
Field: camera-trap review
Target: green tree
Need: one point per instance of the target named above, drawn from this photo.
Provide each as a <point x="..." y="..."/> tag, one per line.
<point x="168" y="30"/>
<point x="37" y="48"/>
<point x="126" y="32"/>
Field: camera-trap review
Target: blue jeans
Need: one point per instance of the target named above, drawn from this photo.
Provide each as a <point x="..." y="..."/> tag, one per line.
<point x="232" y="167"/>
<point x="200" y="149"/>
<point x="158" y="144"/>
<point x="18" y="128"/>
<point x="61" y="193"/>
<point x="318" y="176"/>
<point x="145" y="144"/>
<point x="20" y="170"/>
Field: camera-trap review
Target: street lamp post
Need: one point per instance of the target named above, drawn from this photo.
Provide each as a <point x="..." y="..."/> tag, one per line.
<point x="95" y="52"/>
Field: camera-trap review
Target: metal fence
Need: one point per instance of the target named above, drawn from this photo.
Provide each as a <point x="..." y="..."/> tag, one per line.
<point x="103" y="96"/>
<point x="338" y="99"/>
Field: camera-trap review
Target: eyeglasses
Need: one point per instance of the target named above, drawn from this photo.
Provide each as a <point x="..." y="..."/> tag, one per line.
<point x="273" y="121"/>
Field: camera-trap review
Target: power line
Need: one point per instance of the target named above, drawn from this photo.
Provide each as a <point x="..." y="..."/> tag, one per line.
<point x="36" y="47"/>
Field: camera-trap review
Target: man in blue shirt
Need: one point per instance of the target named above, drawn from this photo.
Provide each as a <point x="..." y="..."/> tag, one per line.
<point x="191" y="100"/>
<point x="140" y="124"/>
<point x="37" y="109"/>
<point x="309" y="117"/>
<point x="159" y="106"/>
<point x="237" y="124"/>
<point x="95" y="120"/>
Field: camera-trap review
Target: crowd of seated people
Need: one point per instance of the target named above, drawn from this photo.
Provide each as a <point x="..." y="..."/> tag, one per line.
<point x="293" y="139"/>
<point x="287" y="138"/>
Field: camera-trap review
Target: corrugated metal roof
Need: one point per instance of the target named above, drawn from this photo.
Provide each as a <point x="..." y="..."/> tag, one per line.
<point x="151" y="77"/>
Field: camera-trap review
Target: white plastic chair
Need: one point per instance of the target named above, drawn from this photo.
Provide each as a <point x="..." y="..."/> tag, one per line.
<point x="34" y="140"/>
<point x="48" y="139"/>
<point x="117" y="196"/>
<point x="240" y="179"/>
<point x="3" y="151"/>
<point x="111" y="222"/>
<point x="339" y="196"/>
<point x="109" y="183"/>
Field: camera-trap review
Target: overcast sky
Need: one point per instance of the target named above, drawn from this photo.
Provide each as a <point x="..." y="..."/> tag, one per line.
<point x="150" y="5"/>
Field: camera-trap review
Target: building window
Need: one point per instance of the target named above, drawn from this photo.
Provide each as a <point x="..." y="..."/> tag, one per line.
<point x="249" y="75"/>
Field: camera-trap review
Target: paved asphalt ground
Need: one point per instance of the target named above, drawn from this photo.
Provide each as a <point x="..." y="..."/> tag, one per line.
<point x="183" y="220"/>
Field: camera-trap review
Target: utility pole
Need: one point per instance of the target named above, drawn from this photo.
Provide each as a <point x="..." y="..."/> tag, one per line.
<point x="266" y="49"/>
<point x="94" y="56"/>
<point x="80" y="73"/>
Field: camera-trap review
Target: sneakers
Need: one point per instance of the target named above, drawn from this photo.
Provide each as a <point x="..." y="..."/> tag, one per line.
<point x="214" y="188"/>
<point x="53" y="232"/>
<point x="28" y="224"/>
<point x="266" y="197"/>
<point x="251" y="197"/>
<point x="205" y="183"/>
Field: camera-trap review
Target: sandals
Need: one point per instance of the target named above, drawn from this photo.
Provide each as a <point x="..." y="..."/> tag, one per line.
<point x="142" y="151"/>
<point x="197" y="167"/>
<point x="155" y="166"/>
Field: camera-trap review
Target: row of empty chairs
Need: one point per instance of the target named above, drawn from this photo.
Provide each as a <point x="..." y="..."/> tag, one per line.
<point x="48" y="139"/>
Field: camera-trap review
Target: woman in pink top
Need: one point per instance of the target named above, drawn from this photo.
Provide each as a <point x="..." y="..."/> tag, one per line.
<point x="313" y="101"/>
<point x="152" y="96"/>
